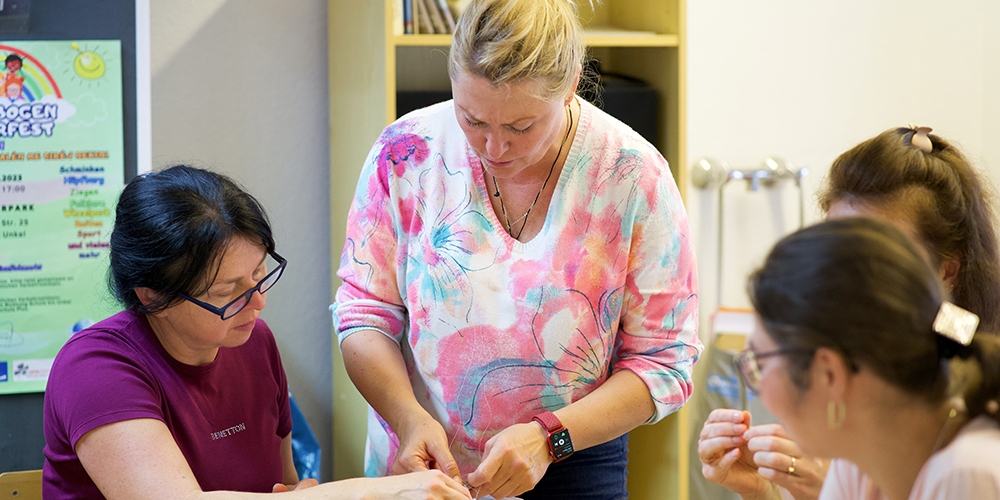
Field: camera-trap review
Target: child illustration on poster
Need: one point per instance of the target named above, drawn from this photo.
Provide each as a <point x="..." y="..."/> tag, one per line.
<point x="61" y="169"/>
<point x="13" y="82"/>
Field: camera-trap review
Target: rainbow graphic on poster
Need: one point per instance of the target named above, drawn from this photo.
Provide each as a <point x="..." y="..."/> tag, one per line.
<point x="31" y="100"/>
<point x="37" y="80"/>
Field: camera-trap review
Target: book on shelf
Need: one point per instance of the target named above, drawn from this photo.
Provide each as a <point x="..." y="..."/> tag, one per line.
<point x="408" y="17"/>
<point x="426" y="16"/>
<point x="422" y="17"/>
<point x="436" y="18"/>
<point x="449" y="19"/>
<point x="398" y="27"/>
<point x="415" y="8"/>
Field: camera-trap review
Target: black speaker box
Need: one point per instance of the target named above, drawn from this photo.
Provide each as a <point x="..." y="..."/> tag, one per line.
<point x="627" y="99"/>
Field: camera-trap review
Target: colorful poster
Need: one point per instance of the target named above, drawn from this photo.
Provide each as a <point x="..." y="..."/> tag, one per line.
<point x="61" y="170"/>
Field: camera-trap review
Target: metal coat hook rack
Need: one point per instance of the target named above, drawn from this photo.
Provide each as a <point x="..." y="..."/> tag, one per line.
<point x="771" y="172"/>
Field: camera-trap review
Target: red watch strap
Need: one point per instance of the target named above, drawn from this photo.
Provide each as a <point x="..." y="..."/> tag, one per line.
<point x="549" y="421"/>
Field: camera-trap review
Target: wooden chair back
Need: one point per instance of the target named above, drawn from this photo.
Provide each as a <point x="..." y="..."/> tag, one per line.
<point x="21" y="485"/>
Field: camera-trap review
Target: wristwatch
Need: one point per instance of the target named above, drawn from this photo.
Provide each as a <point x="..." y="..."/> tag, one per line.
<point x="560" y="444"/>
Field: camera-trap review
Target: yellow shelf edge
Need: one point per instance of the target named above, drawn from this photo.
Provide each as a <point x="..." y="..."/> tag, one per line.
<point x="422" y="40"/>
<point x="623" y="39"/>
<point x="628" y="40"/>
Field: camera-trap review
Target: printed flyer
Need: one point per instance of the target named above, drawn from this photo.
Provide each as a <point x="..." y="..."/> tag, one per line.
<point x="61" y="170"/>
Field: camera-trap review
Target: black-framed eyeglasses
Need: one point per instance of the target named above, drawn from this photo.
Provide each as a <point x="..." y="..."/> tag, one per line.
<point x="233" y="308"/>
<point x="748" y="369"/>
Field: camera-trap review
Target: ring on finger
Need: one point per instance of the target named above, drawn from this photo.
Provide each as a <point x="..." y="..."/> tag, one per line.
<point x="791" y="468"/>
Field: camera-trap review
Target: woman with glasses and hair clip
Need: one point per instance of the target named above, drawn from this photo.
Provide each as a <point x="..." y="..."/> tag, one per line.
<point x="925" y="187"/>
<point x="183" y="392"/>
<point x="858" y="352"/>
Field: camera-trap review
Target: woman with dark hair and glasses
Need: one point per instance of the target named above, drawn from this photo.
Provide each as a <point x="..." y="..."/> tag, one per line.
<point x="859" y="354"/>
<point x="183" y="392"/>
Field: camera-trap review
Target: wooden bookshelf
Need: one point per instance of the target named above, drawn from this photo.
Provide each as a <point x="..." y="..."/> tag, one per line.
<point x="370" y="58"/>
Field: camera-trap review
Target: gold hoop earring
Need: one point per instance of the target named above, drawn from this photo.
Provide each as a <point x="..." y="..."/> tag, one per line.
<point x="836" y="413"/>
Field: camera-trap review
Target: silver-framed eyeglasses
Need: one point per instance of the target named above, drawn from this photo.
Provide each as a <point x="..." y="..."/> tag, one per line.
<point x="748" y="369"/>
<point x="236" y="305"/>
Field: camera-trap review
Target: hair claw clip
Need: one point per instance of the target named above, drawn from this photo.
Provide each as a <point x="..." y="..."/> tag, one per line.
<point x="956" y="323"/>
<point x="920" y="139"/>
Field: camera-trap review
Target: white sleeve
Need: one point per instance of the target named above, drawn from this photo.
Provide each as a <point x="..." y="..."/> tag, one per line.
<point x="843" y="482"/>
<point x="973" y="483"/>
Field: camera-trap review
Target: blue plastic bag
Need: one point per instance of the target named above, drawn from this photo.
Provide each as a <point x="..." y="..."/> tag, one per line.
<point x="305" y="448"/>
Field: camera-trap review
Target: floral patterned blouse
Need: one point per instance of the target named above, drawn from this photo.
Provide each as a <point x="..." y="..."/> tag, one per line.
<point x="494" y="330"/>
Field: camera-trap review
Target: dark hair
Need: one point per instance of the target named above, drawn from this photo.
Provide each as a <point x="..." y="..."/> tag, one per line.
<point x="945" y="198"/>
<point x="171" y="229"/>
<point x="13" y="57"/>
<point x="860" y="287"/>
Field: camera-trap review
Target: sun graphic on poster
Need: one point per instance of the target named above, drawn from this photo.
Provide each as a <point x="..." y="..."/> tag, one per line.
<point x="89" y="65"/>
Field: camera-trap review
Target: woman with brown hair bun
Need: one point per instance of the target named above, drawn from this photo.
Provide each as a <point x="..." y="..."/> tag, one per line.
<point x="925" y="185"/>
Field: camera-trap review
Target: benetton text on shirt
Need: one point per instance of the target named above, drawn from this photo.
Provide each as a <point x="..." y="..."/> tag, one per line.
<point x="229" y="432"/>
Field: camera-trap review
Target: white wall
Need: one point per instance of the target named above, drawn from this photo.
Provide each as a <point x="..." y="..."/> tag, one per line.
<point x="808" y="80"/>
<point x="240" y="86"/>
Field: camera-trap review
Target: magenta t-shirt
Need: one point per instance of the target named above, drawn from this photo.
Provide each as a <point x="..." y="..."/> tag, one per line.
<point x="228" y="417"/>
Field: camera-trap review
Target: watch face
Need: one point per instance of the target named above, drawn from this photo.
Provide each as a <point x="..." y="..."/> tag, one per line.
<point x="562" y="445"/>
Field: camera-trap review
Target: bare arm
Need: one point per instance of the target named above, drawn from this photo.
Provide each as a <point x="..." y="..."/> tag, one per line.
<point x="623" y="398"/>
<point x="291" y="476"/>
<point x="287" y="459"/>
<point x="375" y="365"/>
<point x="138" y="459"/>
<point x="144" y="454"/>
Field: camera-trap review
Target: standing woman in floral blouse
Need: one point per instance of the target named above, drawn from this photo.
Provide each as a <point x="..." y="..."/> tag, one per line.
<point x="519" y="289"/>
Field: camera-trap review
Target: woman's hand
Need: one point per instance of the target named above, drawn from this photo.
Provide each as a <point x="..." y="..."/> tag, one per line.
<point x="423" y="445"/>
<point x="431" y="484"/>
<point x="773" y="452"/>
<point x="725" y="457"/>
<point x="301" y="485"/>
<point x="514" y="461"/>
<point x="426" y="485"/>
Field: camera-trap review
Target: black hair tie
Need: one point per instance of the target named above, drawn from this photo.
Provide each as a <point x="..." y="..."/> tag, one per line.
<point x="948" y="348"/>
